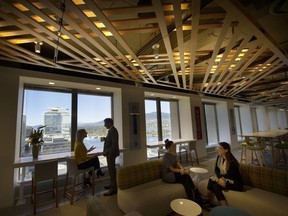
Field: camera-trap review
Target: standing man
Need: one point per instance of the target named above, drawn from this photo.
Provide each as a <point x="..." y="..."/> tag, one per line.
<point x="111" y="151"/>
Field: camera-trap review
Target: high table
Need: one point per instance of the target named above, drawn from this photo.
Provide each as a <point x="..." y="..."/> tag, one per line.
<point x="268" y="136"/>
<point x="185" y="207"/>
<point x="191" y="146"/>
<point x="59" y="157"/>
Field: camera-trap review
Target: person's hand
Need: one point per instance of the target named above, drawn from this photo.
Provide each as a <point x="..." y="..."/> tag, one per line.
<point x="182" y="171"/>
<point x="222" y="182"/>
<point x="187" y="171"/>
<point x="92" y="148"/>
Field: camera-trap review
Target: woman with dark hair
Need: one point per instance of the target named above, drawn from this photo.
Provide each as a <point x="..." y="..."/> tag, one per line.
<point x="227" y="174"/>
<point x="84" y="160"/>
<point x="173" y="172"/>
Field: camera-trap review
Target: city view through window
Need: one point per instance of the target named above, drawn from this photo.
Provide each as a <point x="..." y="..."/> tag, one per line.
<point x="54" y="110"/>
<point x="160" y="128"/>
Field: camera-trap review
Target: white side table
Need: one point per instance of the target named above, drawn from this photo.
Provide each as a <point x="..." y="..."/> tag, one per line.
<point x="198" y="171"/>
<point x="185" y="207"/>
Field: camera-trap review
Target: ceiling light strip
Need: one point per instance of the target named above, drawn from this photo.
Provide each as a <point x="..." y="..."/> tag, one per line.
<point x="253" y="80"/>
<point x="247" y="64"/>
<point x="234" y="72"/>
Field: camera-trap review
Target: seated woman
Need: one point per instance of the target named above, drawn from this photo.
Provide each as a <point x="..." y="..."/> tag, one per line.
<point x="227" y="174"/>
<point x="84" y="160"/>
<point x="173" y="172"/>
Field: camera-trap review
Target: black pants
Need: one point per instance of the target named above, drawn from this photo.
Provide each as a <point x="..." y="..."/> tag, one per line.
<point x="111" y="163"/>
<point x="217" y="189"/>
<point x="190" y="189"/>
<point x="93" y="162"/>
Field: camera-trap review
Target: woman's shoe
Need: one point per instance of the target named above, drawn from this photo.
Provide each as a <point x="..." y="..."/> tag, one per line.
<point x="100" y="173"/>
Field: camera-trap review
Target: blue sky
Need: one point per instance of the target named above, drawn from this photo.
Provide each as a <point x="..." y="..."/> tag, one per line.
<point x="91" y="108"/>
<point x="38" y="102"/>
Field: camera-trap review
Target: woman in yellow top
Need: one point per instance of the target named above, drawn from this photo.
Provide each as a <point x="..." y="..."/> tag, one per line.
<point x="84" y="160"/>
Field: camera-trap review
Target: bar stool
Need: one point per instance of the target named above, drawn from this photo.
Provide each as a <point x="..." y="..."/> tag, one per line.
<point x="43" y="172"/>
<point x="189" y="148"/>
<point x="255" y="148"/>
<point x="244" y="149"/>
<point x="72" y="169"/>
<point x="185" y="149"/>
<point x="282" y="147"/>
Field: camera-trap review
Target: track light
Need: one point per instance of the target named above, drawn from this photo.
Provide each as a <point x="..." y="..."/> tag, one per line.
<point x="38" y="45"/>
<point x="155" y="47"/>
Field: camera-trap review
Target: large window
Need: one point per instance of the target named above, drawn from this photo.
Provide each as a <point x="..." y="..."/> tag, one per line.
<point x="162" y="122"/>
<point x="92" y="110"/>
<point x="62" y="111"/>
<point x="211" y="124"/>
<point x="50" y="108"/>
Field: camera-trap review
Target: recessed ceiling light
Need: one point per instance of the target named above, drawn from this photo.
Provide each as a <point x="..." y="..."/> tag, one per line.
<point x="51" y="83"/>
<point x="98" y="88"/>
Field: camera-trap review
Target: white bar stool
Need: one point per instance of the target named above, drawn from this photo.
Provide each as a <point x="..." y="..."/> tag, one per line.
<point x="72" y="169"/>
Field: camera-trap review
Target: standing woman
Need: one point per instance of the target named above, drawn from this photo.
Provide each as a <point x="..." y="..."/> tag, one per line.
<point x="84" y="160"/>
<point x="173" y="172"/>
<point x="227" y="173"/>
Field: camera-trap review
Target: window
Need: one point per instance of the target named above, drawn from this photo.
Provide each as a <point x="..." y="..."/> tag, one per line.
<point x="50" y="108"/>
<point x="92" y="110"/>
<point x="162" y="122"/>
<point x="211" y="124"/>
<point x="54" y="108"/>
<point x="238" y="122"/>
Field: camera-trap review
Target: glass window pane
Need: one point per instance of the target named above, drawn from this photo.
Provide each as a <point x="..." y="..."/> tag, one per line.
<point x="49" y="108"/>
<point x="166" y="120"/>
<point x="151" y="121"/>
<point x="92" y="110"/>
<point x="211" y="124"/>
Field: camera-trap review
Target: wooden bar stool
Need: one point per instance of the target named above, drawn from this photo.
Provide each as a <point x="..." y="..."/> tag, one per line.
<point x="257" y="148"/>
<point x="244" y="145"/>
<point x="78" y="179"/>
<point x="44" y="172"/>
<point x="282" y="147"/>
<point x="191" y="147"/>
<point x="184" y="148"/>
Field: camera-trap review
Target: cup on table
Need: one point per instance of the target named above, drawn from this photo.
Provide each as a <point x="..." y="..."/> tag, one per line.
<point x="102" y="139"/>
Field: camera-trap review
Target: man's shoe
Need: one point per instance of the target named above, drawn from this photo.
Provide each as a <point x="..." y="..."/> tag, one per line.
<point x="109" y="193"/>
<point x="107" y="187"/>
